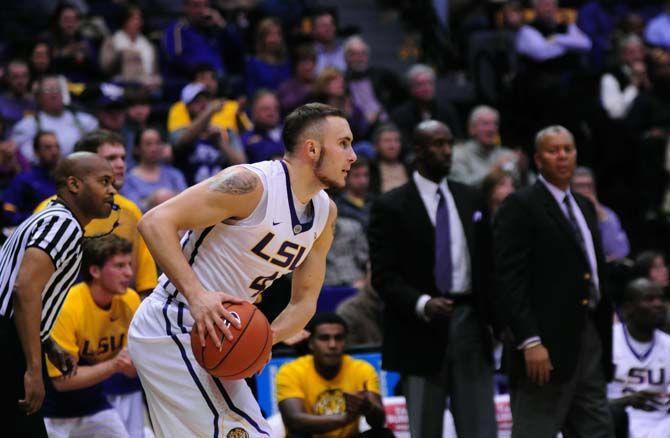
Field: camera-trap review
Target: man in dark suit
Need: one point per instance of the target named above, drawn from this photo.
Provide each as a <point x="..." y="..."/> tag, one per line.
<point x="548" y="263"/>
<point x="429" y="248"/>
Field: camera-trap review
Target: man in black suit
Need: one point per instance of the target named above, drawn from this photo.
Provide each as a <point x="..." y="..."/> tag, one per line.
<point x="429" y="249"/>
<point x="548" y="263"/>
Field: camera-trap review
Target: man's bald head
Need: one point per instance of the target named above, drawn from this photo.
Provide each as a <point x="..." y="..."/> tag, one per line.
<point x="78" y="165"/>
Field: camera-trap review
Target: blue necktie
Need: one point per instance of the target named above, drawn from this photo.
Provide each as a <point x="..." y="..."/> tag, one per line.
<point x="443" y="263"/>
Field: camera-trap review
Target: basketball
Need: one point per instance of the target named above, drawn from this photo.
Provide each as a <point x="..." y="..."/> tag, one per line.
<point x="245" y="354"/>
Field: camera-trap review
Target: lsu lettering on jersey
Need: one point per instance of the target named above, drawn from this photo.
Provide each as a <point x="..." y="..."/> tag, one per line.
<point x="647" y="370"/>
<point x="241" y="258"/>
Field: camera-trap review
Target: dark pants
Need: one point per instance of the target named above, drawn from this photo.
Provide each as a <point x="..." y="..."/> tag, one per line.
<point x="577" y="407"/>
<point x="13" y="368"/>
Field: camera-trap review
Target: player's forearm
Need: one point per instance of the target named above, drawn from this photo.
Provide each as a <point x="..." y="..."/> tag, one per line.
<point x="293" y="319"/>
<point x="302" y="422"/>
<point x="27" y="317"/>
<point x="86" y="376"/>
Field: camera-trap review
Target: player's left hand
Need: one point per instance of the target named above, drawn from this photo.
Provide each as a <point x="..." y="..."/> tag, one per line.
<point x="60" y="358"/>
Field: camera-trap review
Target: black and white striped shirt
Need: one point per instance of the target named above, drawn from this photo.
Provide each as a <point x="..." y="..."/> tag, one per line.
<point x="57" y="232"/>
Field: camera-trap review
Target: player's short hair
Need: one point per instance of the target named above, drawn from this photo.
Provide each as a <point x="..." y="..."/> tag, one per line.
<point x="91" y="141"/>
<point x="97" y="251"/>
<point x="303" y="120"/>
<point x="326" y="318"/>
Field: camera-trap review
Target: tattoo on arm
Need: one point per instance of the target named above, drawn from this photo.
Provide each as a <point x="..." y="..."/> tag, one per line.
<point x="234" y="183"/>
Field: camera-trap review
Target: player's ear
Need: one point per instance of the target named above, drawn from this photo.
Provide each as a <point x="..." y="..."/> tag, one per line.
<point x="313" y="149"/>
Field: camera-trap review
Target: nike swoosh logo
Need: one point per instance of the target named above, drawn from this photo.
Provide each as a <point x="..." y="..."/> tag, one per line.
<point x="275" y="223"/>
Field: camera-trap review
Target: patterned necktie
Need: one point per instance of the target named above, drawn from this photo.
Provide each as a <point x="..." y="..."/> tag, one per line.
<point x="593" y="291"/>
<point x="443" y="263"/>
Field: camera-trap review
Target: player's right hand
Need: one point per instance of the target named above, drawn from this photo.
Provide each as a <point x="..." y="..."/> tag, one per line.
<point x="208" y="312"/>
<point x="538" y="364"/>
<point x="33" y="392"/>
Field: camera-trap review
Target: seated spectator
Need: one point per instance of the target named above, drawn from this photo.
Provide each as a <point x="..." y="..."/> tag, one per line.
<point x="11" y="164"/>
<point x="387" y="171"/>
<point x="614" y="238"/>
<point x="229" y="117"/>
<point x="651" y="265"/>
<point x="72" y="55"/>
<point x="363" y="315"/>
<point x="111" y="108"/>
<point x="264" y="142"/>
<point x="40" y="60"/>
<point x="202" y="149"/>
<point x="482" y="154"/>
<point x="641" y="356"/>
<point x="331" y="89"/>
<point x="622" y="87"/>
<point x="17" y="100"/>
<point x="329" y="52"/>
<point x="128" y="56"/>
<point x="496" y="186"/>
<point x="201" y="36"/>
<point x="423" y="105"/>
<point x="33" y="186"/>
<point x="104" y="396"/>
<point x="52" y="115"/>
<point x="355" y="201"/>
<point x="599" y="20"/>
<point x="150" y="174"/>
<point x="268" y="67"/>
<point x="348" y="256"/>
<point x="298" y="90"/>
<point x="372" y="89"/>
<point x="657" y="32"/>
<point x="137" y="118"/>
<point x="326" y="392"/>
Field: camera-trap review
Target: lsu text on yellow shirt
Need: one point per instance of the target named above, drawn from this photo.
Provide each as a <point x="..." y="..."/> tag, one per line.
<point x="178" y="117"/>
<point x="144" y="267"/>
<point x="92" y="334"/>
<point x="299" y="379"/>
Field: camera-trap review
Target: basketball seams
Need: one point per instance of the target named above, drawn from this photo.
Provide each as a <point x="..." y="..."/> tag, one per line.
<point x="237" y="340"/>
<point x="267" y="337"/>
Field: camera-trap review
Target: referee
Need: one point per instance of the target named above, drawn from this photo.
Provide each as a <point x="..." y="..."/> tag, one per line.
<point x="38" y="264"/>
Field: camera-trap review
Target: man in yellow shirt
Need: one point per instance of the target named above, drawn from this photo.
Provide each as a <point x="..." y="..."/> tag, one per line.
<point x="325" y="393"/>
<point x="123" y="221"/>
<point x="104" y="397"/>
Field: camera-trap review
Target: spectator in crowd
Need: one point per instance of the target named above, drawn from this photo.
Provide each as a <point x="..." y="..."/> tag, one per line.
<point x="52" y="115"/>
<point x="347" y="260"/>
<point x="264" y="142"/>
<point x="423" y="105"/>
<point x="299" y="88"/>
<point x="11" y="164"/>
<point x="111" y="108"/>
<point x="230" y="117"/>
<point x="599" y="19"/>
<point x="326" y="392"/>
<point x="354" y="202"/>
<point x="17" y="100"/>
<point x="269" y="66"/>
<point x="159" y="196"/>
<point x="33" y="186"/>
<point x="201" y="36"/>
<point x="137" y="118"/>
<point x="363" y="315"/>
<point x="72" y="55"/>
<point x="433" y="286"/>
<point x="123" y="220"/>
<point x="329" y="51"/>
<point x="387" y="171"/>
<point x="40" y="60"/>
<point x="201" y="148"/>
<point x="331" y="89"/>
<point x="482" y="154"/>
<point x="150" y="174"/>
<point x="641" y="353"/>
<point x="551" y="295"/>
<point x="622" y="87"/>
<point x="93" y="328"/>
<point x="651" y="265"/>
<point x="657" y="32"/>
<point x="497" y="186"/>
<point x="128" y="56"/>
<point x="372" y="89"/>
<point x="614" y="239"/>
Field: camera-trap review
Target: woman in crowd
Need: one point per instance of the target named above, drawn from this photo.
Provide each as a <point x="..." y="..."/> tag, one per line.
<point x="269" y="67"/>
<point x="330" y="89"/>
<point x="299" y="88"/>
<point x="387" y="170"/>
<point x="496" y="186"/>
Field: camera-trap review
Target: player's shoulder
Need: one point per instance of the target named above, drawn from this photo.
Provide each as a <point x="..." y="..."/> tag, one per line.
<point x="358" y="366"/>
<point x="663" y="338"/>
<point x="297" y="366"/>
<point x="240" y="179"/>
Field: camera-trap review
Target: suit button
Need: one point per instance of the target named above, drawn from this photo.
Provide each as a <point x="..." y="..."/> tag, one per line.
<point x="587" y="276"/>
<point x="584" y="302"/>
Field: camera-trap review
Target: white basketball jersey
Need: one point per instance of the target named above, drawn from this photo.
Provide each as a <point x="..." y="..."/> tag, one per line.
<point x="642" y="371"/>
<point x="244" y="258"/>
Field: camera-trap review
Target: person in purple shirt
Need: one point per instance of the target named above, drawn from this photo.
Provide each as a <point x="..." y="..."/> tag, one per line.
<point x="31" y="187"/>
<point x="17" y="100"/>
<point x="269" y="67"/>
<point x="298" y="89"/>
<point x="264" y="141"/>
<point x="614" y="239"/>
<point x="150" y="174"/>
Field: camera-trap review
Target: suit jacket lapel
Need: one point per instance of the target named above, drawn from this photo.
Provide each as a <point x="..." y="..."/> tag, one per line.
<point x="417" y="216"/>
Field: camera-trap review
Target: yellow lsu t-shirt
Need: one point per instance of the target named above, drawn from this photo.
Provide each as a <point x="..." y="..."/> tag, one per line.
<point x="92" y="334"/>
<point x="128" y="215"/>
<point x="299" y="379"/>
<point x="178" y="117"/>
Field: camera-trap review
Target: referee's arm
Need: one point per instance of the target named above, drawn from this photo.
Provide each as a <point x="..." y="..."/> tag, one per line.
<point x="34" y="273"/>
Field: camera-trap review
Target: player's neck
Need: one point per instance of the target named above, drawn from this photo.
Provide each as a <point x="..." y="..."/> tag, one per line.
<point x="304" y="183"/>
<point x="101" y="297"/>
<point x="640" y="334"/>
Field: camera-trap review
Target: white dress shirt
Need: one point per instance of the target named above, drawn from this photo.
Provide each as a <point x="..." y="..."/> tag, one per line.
<point x="460" y="256"/>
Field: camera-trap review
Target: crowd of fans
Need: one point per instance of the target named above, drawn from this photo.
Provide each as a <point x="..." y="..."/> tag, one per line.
<point x="181" y="89"/>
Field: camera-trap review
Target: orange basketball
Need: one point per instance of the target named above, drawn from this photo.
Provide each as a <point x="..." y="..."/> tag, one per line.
<point x="245" y="354"/>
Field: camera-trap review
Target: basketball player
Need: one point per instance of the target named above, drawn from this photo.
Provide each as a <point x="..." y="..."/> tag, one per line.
<point x="247" y="226"/>
<point x="642" y="359"/>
